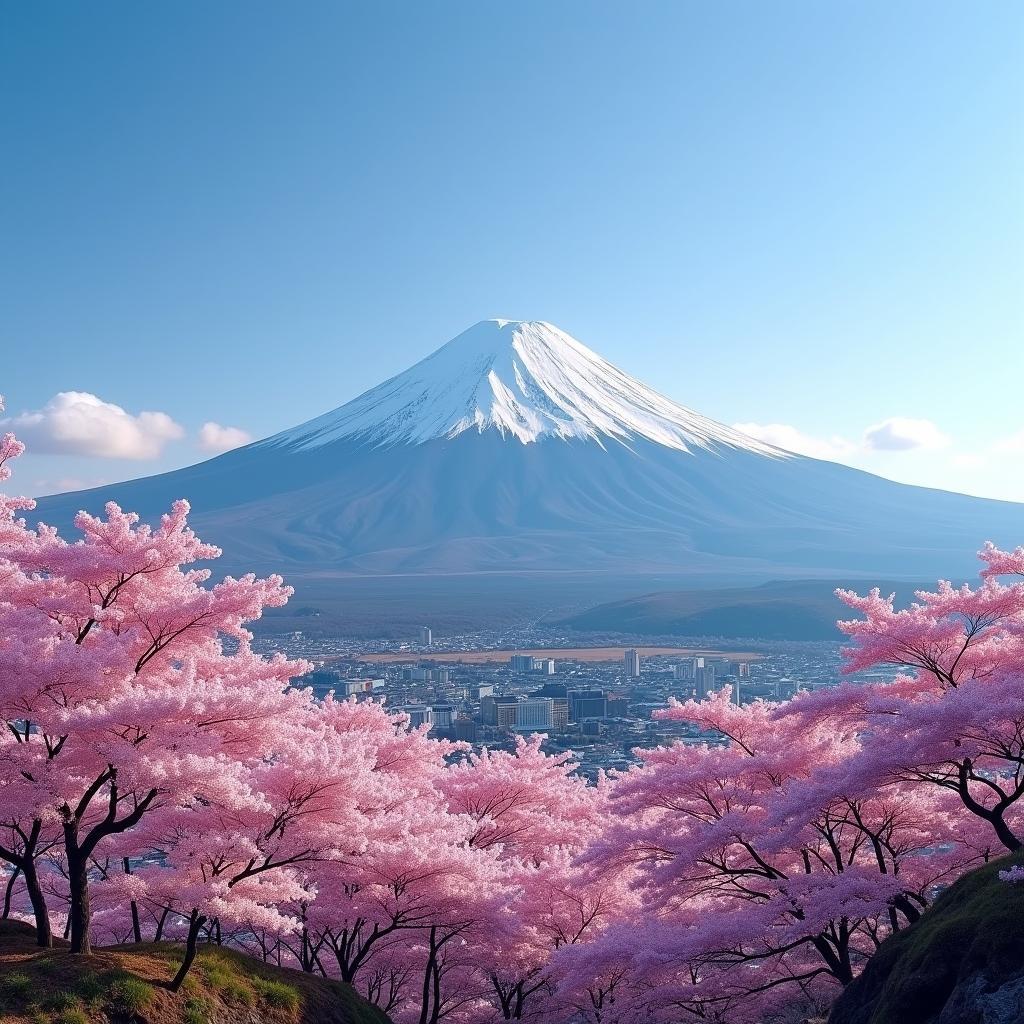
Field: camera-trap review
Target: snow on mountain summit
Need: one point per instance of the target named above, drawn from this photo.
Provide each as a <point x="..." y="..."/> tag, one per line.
<point x="526" y="380"/>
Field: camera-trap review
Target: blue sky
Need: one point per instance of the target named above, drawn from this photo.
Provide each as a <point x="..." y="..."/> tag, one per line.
<point x="806" y="218"/>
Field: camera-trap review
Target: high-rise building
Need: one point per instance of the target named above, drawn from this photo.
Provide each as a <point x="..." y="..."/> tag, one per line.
<point x="465" y="730"/>
<point x="743" y="670"/>
<point x="559" y="714"/>
<point x="426" y="636"/>
<point x="481" y="690"/>
<point x="545" y="666"/>
<point x="442" y="716"/>
<point x="687" y="668"/>
<point x="617" y="706"/>
<point x="533" y="713"/>
<point x="499" y="711"/>
<point x="521" y="663"/>
<point x="704" y="681"/>
<point x="632" y="659"/>
<point x="587" y="704"/>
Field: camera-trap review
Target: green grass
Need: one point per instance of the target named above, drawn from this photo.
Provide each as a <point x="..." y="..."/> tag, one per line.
<point x="217" y="973"/>
<point x="56" y="1002"/>
<point x="277" y="994"/>
<point x="236" y="990"/>
<point x="196" y="1010"/>
<point x="129" y="995"/>
<point x="16" y="985"/>
<point x="90" y="986"/>
<point x="73" y="1015"/>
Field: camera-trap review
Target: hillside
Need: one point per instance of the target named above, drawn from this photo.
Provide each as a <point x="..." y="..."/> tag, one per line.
<point x="118" y="985"/>
<point x="781" y="610"/>
<point x="962" y="963"/>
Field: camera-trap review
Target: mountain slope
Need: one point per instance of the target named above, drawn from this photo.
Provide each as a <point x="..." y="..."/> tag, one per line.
<point x="515" y="449"/>
<point x="788" y="610"/>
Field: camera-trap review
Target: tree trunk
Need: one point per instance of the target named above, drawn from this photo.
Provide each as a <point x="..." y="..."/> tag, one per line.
<point x="195" y="924"/>
<point x="136" y="926"/>
<point x="9" y="892"/>
<point x="78" y="880"/>
<point x="44" y="937"/>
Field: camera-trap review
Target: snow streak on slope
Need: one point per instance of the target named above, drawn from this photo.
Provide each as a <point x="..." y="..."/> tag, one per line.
<point x="526" y="380"/>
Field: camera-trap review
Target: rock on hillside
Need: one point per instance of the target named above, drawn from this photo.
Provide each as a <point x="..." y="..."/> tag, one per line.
<point x="125" y="985"/>
<point x="962" y="963"/>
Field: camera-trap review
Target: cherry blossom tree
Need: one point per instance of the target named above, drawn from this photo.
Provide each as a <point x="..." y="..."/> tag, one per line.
<point x="762" y="870"/>
<point x="126" y="685"/>
<point x="954" y="716"/>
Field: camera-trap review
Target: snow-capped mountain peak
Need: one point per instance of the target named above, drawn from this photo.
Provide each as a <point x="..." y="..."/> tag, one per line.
<point x="526" y="380"/>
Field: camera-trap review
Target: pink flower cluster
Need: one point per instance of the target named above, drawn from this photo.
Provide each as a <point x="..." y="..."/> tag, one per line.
<point x="160" y="780"/>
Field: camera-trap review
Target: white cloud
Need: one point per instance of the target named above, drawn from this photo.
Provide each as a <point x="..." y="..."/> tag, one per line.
<point x="1012" y="445"/>
<point x="61" y="484"/>
<point x="78" y="423"/>
<point x="900" y="434"/>
<point x="215" y="438"/>
<point x="782" y="435"/>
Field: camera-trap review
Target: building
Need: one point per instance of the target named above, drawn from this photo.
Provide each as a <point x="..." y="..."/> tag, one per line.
<point x="687" y="669"/>
<point x="521" y="663"/>
<point x="426" y="636"/>
<point x="499" y="711"/>
<point x="465" y="730"/>
<point x="704" y="681"/>
<point x="545" y="666"/>
<point x="632" y="659"/>
<point x="616" y="706"/>
<point x="357" y="687"/>
<point x="534" y="713"/>
<point x="743" y="670"/>
<point x="554" y="690"/>
<point x="559" y="714"/>
<point x="481" y="690"/>
<point x="442" y="716"/>
<point x="419" y="714"/>
<point x="559" y="695"/>
<point x="586" y="704"/>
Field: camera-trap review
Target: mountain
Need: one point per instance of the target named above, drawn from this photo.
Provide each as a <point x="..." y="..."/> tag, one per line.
<point x="514" y="448"/>
<point x="780" y="610"/>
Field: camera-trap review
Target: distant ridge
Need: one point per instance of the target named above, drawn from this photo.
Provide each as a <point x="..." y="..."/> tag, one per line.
<point x="780" y="610"/>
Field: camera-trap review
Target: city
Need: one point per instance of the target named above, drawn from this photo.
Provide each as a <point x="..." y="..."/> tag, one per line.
<point x="595" y="695"/>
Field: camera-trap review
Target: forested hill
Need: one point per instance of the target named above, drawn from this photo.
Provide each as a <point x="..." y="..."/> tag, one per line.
<point x="781" y="610"/>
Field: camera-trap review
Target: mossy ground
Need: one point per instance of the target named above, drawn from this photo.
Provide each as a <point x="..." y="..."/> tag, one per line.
<point x="977" y="925"/>
<point x="127" y="985"/>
